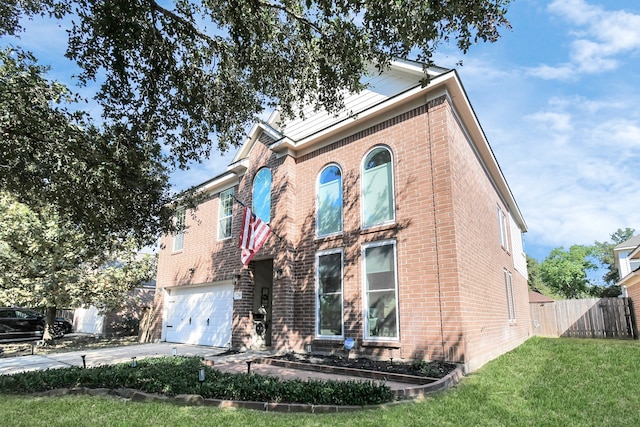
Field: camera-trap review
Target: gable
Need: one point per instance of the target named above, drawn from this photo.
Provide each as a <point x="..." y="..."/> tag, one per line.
<point x="389" y="94"/>
<point x="381" y="88"/>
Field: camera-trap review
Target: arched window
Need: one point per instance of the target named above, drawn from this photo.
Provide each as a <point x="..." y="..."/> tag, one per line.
<point x="262" y="195"/>
<point x="377" y="188"/>
<point x="329" y="201"/>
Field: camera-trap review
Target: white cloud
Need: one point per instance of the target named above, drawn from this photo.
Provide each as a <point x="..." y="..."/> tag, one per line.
<point x="557" y="122"/>
<point x="602" y="39"/>
<point x="548" y="72"/>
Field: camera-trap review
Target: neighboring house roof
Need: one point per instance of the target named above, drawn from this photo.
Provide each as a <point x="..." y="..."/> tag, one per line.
<point x="632" y="243"/>
<point x="390" y="93"/>
<point x="536" y="297"/>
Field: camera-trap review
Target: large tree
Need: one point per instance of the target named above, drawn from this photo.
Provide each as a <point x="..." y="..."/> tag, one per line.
<point x="604" y="253"/>
<point x="110" y="185"/>
<point x="179" y="72"/>
<point x="46" y="262"/>
<point x="565" y="271"/>
<point x="535" y="282"/>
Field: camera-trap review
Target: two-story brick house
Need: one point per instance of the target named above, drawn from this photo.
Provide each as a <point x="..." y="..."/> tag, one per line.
<point x="395" y="227"/>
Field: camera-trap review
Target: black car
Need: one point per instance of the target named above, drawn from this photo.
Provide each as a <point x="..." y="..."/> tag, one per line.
<point x="65" y="326"/>
<point x="23" y="323"/>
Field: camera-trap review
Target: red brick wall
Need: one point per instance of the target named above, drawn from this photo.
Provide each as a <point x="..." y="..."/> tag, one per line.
<point x="452" y="301"/>
<point x="482" y="260"/>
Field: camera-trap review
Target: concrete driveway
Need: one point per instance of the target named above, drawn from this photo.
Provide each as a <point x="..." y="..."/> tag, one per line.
<point x="102" y="356"/>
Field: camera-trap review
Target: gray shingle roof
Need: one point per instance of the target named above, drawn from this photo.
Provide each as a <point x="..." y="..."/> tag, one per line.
<point x="631" y="243"/>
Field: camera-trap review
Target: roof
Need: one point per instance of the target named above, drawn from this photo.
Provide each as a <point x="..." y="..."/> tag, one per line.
<point x="536" y="297"/>
<point x="395" y="90"/>
<point x="629" y="244"/>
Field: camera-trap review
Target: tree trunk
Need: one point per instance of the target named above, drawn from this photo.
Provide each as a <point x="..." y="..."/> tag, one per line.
<point x="49" y="330"/>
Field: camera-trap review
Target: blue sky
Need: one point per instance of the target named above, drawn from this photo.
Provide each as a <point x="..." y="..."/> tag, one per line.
<point x="557" y="97"/>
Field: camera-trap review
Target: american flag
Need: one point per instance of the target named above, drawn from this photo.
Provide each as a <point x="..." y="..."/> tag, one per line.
<point x="253" y="234"/>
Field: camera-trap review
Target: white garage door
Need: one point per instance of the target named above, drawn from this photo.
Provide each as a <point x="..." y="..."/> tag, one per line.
<point x="200" y="315"/>
<point x="88" y="320"/>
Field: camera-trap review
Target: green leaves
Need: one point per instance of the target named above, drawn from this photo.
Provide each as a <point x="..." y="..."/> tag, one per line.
<point x="46" y="261"/>
<point x="186" y="72"/>
<point x="566" y="271"/>
<point x="104" y="181"/>
<point x="179" y="375"/>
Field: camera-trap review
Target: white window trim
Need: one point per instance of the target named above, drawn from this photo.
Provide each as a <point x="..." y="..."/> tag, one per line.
<point x="504" y="233"/>
<point x="365" y="294"/>
<point x="511" y="299"/>
<point x="270" y="196"/>
<point x="317" y="292"/>
<point x="336" y="233"/>
<point x="393" y="189"/>
<point x="179" y="235"/>
<point x="222" y="196"/>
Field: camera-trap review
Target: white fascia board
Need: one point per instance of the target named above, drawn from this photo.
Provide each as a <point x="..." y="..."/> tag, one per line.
<point x="219" y="183"/>
<point x="256" y="130"/>
<point x="628" y="280"/>
<point x="308" y="143"/>
<point x="447" y="83"/>
<point x="417" y="68"/>
<point x="472" y="125"/>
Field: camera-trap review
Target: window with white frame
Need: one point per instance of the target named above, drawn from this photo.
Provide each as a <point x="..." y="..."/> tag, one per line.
<point x="380" y="291"/>
<point x="329" y="293"/>
<point x="504" y="235"/>
<point x="329" y="201"/>
<point x="178" y="237"/>
<point x="225" y="214"/>
<point x="378" y="205"/>
<point x="262" y="195"/>
<point x="511" y="301"/>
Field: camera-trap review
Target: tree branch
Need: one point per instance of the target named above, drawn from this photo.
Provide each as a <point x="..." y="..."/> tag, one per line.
<point x="292" y="14"/>
<point x="180" y="20"/>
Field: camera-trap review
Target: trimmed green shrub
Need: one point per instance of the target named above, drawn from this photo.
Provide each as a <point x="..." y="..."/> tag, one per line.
<point x="179" y="375"/>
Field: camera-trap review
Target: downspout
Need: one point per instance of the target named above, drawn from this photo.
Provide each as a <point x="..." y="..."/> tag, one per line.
<point x="435" y="222"/>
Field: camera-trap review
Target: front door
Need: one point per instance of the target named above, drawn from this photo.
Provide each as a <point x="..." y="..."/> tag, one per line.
<point x="262" y="302"/>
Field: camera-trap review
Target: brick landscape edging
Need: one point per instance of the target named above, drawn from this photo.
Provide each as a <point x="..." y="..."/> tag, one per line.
<point x="196" y="400"/>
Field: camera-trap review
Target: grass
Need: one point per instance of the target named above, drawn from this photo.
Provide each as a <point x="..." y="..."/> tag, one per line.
<point x="544" y="382"/>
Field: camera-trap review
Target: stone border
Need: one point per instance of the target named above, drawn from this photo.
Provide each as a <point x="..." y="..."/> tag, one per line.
<point x="352" y="372"/>
<point x="197" y="400"/>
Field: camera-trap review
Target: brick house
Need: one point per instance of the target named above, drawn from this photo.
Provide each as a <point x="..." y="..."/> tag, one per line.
<point x="395" y="227"/>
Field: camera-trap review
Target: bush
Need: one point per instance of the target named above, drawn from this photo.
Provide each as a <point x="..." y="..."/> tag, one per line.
<point x="179" y="375"/>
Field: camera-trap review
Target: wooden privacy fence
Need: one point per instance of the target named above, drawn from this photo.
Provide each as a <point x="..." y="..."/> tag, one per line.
<point x="584" y="318"/>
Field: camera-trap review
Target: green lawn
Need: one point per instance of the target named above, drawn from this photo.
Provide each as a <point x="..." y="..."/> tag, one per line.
<point x="545" y="382"/>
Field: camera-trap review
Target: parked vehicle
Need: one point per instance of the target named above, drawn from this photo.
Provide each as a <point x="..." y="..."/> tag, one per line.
<point x="65" y="325"/>
<point x="23" y="323"/>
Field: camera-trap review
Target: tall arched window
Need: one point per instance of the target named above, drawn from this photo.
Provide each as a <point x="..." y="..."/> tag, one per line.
<point x="329" y="201"/>
<point x="262" y="195"/>
<point x="377" y="188"/>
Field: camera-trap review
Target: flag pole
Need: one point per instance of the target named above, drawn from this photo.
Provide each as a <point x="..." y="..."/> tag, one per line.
<point x="244" y="206"/>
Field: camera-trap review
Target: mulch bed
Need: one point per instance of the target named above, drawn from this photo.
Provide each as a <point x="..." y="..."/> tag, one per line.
<point x="420" y="368"/>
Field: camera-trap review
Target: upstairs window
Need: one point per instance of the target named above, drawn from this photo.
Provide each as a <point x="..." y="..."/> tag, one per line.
<point x="511" y="300"/>
<point x="329" y="201"/>
<point x="262" y="195"/>
<point x="377" y="188"/>
<point x="504" y="235"/>
<point x="225" y="213"/>
<point x="178" y="237"/>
